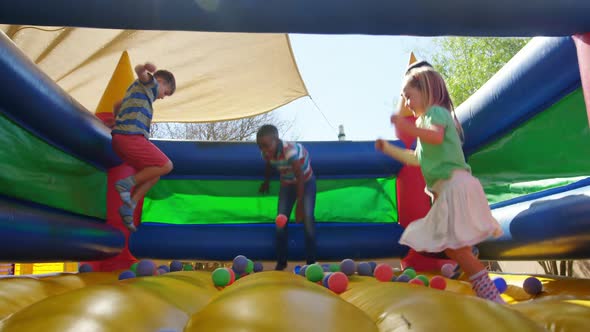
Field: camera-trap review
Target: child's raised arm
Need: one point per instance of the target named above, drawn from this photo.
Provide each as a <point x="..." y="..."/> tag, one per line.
<point x="143" y="72"/>
<point x="405" y="156"/>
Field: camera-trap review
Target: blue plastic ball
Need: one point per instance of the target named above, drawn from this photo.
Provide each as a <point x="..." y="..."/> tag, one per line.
<point x="532" y="286"/>
<point x="146" y="268"/>
<point x="403" y="278"/>
<point x="302" y="270"/>
<point x="175" y="266"/>
<point x="240" y="264"/>
<point x="297" y="269"/>
<point x="325" y="280"/>
<point x="164" y="267"/>
<point x="326" y="267"/>
<point x="373" y="266"/>
<point x="500" y="284"/>
<point x="126" y="275"/>
<point x="85" y="268"/>
<point x="364" y="269"/>
<point x="258" y="267"/>
<point x="347" y="267"/>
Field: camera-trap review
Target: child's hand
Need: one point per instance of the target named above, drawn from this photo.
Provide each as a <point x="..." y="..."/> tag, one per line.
<point x="150" y="67"/>
<point x="401" y="124"/>
<point x="299" y="212"/>
<point x="380" y="144"/>
<point x="264" y="188"/>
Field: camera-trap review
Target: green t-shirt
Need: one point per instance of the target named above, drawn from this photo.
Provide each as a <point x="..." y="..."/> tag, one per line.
<point x="438" y="161"/>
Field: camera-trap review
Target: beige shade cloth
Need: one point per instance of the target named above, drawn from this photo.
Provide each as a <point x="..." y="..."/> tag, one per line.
<point x="219" y="76"/>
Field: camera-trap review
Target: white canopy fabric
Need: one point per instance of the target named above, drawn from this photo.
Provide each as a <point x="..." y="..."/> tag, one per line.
<point x="219" y="76"/>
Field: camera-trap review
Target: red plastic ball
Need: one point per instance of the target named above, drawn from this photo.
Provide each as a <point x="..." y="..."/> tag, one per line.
<point x="438" y="282"/>
<point x="338" y="282"/>
<point x="383" y="272"/>
<point x="281" y="220"/>
<point x="232" y="276"/>
<point x="416" y="281"/>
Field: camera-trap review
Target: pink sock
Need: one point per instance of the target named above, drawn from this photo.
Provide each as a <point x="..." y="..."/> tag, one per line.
<point x="484" y="287"/>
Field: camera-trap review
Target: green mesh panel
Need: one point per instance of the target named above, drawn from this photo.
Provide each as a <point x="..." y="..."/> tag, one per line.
<point x="235" y="201"/>
<point x="31" y="169"/>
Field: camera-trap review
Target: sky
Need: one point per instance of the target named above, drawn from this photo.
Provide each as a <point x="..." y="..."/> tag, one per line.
<point x="354" y="80"/>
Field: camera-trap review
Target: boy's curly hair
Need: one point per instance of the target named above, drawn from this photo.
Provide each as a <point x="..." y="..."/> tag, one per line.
<point x="167" y="77"/>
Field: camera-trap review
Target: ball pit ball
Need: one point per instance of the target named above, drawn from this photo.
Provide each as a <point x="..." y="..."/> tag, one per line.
<point x="175" y="266"/>
<point x="161" y="271"/>
<point x="164" y="267"/>
<point x="416" y="281"/>
<point x="240" y="264"/>
<point x="302" y="270"/>
<point x="326" y="267"/>
<point x="258" y="267"/>
<point x="85" y="268"/>
<point x="187" y="267"/>
<point x="325" y="280"/>
<point x="221" y="277"/>
<point x="249" y="267"/>
<point x="347" y="267"/>
<point x="383" y="272"/>
<point x="281" y="220"/>
<point x="438" y="282"/>
<point x="126" y="275"/>
<point x="314" y="273"/>
<point x="334" y="268"/>
<point x="403" y="278"/>
<point x="447" y="270"/>
<point x="424" y="279"/>
<point x="500" y="284"/>
<point x="532" y="286"/>
<point x="373" y="266"/>
<point x="134" y="267"/>
<point x="145" y="268"/>
<point x="296" y="269"/>
<point x="338" y="282"/>
<point x="232" y="276"/>
<point x="410" y="272"/>
<point x="364" y="269"/>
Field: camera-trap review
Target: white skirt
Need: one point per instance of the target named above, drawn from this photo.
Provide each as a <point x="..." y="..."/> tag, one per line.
<point x="459" y="217"/>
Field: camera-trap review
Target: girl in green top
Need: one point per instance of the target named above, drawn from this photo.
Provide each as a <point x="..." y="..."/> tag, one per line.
<point x="460" y="216"/>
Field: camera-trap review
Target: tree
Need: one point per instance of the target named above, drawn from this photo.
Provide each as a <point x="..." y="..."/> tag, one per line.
<point x="234" y="130"/>
<point x="467" y="63"/>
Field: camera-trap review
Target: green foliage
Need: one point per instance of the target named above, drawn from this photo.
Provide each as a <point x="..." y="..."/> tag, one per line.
<point x="467" y="63"/>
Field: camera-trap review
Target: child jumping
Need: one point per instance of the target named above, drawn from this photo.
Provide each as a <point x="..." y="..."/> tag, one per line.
<point x="133" y="117"/>
<point x="460" y="216"/>
<point x="298" y="185"/>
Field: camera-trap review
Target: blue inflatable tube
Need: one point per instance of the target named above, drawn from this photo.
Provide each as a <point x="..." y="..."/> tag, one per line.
<point x="335" y="241"/>
<point x="38" y="104"/>
<point x="239" y="160"/>
<point x="31" y="232"/>
<point x="542" y="73"/>
<point x="379" y="17"/>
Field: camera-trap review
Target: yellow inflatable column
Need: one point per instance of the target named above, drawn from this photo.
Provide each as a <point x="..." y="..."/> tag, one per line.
<point x="120" y="80"/>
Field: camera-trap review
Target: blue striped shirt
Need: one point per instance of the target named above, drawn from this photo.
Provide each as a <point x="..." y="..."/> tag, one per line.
<point x="135" y="115"/>
<point x="287" y="153"/>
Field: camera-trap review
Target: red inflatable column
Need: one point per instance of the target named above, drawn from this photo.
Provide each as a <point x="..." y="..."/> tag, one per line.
<point x="413" y="203"/>
<point x="125" y="259"/>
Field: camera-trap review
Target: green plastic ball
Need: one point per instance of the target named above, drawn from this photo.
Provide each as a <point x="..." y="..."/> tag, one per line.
<point x="134" y="267"/>
<point x="187" y="267"/>
<point x="221" y="277"/>
<point x="410" y="273"/>
<point x="249" y="267"/>
<point x="314" y="273"/>
<point x="334" y="267"/>
<point x="424" y="279"/>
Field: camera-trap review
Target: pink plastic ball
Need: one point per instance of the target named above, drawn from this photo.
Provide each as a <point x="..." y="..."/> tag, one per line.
<point x="416" y="281"/>
<point x="383" y="272"/>
<point x="281" y="220"/>
<point x="447" y="270"/>
<point x="338" y="282"/>
<point x="438" y="282"/>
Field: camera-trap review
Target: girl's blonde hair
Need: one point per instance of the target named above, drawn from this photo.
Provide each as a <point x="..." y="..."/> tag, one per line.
<point x="434" y="91"/>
